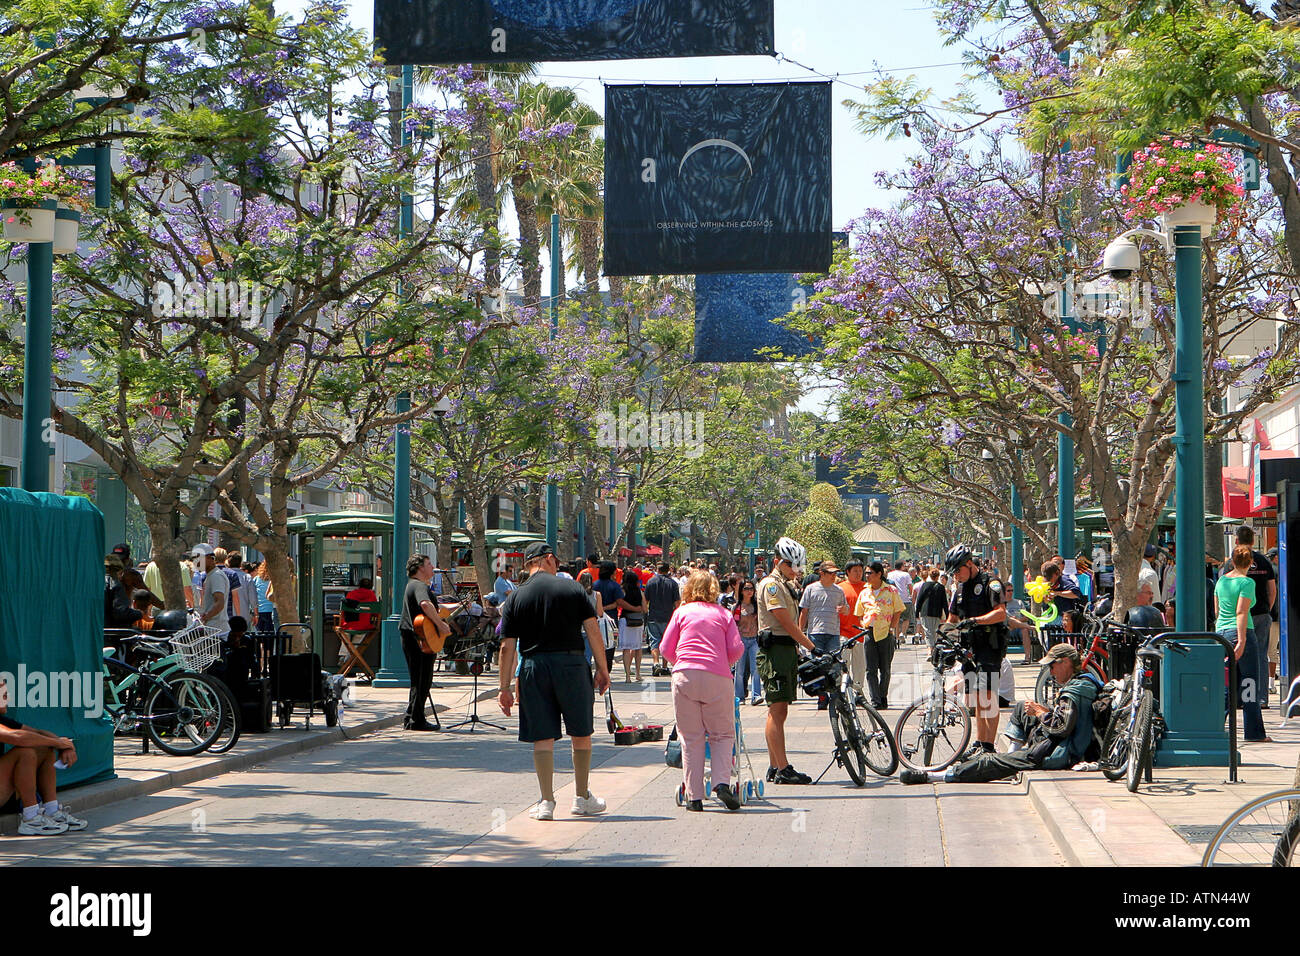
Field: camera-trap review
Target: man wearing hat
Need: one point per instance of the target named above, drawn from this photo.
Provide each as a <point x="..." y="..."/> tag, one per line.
<point x="1147" y="574"/>
<point x="118" y="611"/>
<point x="549" y="620"/>
<point x="1041" y="739"/>
<point x="819" y="613"/>
<point x="216" y="591"/>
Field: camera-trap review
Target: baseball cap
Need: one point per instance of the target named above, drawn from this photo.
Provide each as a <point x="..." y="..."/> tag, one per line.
<point x="536" y="550"/>
<point x="1057" y="651"/>
<point x="121" y="549"/>
<point x="825" y="567"/>
<point x="1150" y="552"/>
<point x="202" y="549"/>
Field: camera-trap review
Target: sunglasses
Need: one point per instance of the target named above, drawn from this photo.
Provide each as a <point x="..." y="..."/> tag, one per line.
<point x="748" y="587"/>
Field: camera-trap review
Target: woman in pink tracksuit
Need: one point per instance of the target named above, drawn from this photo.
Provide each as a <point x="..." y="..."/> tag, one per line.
<point x="701" y="643"/>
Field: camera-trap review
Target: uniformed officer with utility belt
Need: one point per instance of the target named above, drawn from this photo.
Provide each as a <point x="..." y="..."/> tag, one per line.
<point x="977" y="604"/>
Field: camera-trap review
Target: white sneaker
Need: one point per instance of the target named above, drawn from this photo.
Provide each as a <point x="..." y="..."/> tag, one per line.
<point x="588" y="806"/>
<point x="544" y="810"/>
<point x="41" y="825"/>
<point x="62" y="815"/>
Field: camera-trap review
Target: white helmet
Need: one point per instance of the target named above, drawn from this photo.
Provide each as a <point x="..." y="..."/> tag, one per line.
<point x="788" y="549"/>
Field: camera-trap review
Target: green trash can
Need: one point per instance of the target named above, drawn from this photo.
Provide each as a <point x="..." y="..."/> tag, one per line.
<point x="1193" y="704"/>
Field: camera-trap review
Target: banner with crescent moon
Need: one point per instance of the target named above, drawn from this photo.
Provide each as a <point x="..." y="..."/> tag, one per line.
<point x="735" y="313"/>
<point x="717" y="178"/>
<point x="426" y="32"/>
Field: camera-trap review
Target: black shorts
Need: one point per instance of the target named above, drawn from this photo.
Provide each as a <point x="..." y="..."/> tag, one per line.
<point x="554" y="685"/>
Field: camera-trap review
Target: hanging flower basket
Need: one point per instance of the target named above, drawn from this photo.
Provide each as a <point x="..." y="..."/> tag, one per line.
<point x="28" y="220"/>
<point x="67" y="229"/>
<point x="1182" y="182"/>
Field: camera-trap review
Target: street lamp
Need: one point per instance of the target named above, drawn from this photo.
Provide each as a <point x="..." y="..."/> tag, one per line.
<point x="1182" y="237"/>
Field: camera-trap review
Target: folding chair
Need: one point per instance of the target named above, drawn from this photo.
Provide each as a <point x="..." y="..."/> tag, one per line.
<point x="356" y="641"/>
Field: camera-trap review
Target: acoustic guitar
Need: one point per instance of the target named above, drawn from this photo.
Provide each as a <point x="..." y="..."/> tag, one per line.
<point x="431" y="640"/>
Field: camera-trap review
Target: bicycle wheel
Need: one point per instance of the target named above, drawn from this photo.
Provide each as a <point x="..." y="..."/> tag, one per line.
<point x="232" y="720"/>
<point x="848" y="742"/>
<point x="1265" y="832"/>
<point x="1045" y="687"/>
<point x="880" y="750"/>
<point x="1140" y="746"/>
<point x="1116" y="743"/>
<point x="932" y="737"/>
<point x="183" y="714"/>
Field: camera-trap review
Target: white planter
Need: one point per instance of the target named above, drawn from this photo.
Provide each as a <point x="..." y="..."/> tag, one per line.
<point x="28" y="224"/>
<point x="67" y="227"/>
<point x="1195" y="213"/>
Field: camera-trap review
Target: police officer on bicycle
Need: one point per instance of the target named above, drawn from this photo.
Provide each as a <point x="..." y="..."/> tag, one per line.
<point x="977" y="606"/>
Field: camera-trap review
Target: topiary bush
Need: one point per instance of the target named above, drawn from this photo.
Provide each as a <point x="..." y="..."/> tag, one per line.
<point x="820" y="530"/>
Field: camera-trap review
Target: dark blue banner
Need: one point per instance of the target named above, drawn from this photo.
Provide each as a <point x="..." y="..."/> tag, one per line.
<point x="702" y="179"/>
<point x="510" y="31"/>
<point x="734" y="316"/>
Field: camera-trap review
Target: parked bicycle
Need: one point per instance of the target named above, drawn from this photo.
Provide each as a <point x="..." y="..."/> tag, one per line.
<point x="182" y="713"/>
<point x="856" y="747"/>
<point x="933" y="731"/>
<point x="1128" y="747"/>
<point x="1265" y="832"/>
<point x="1096" y="660"/>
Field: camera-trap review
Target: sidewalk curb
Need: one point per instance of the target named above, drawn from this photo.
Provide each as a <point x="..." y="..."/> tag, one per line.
<point x="114" y="791"/>
<point x="1071" y="833"/>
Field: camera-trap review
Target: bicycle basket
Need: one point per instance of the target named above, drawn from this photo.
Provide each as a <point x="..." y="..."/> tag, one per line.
<point x="198" y="647"/>
<point x="818" y="675"/>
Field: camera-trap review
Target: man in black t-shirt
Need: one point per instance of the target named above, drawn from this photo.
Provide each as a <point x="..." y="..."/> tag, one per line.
<point x="418" y="601"/>
<point x="662" y="596"/>
<point x="546" y="620"/>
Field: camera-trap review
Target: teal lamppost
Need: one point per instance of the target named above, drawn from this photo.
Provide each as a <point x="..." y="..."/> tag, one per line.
<point x="392" y="662"/>
<point x="1122" y="258"/>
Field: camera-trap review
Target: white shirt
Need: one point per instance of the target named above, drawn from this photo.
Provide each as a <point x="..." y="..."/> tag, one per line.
<point x="1147" y="575"/>
<point x="217" y="583"/>
<point x="902" y="582"/>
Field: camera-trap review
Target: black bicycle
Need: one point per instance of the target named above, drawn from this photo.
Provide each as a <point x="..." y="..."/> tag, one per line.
<point x="1129" y="745"/>
<point x="857" y="749"/>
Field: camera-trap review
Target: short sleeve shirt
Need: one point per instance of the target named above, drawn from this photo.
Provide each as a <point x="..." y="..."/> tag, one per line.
<point x="547" y="614"/>
<point x="1227" y="591"/>
<point x="416" y="591"/>
<point x="661" y="594"/>
<point x="773" y="592"/>
<point x="1261" y="572"/>
<point x="214" y="584"/>
<point x="823" y="605"/>
<point x="884" y="603"/>
<point x="609" y="591"/>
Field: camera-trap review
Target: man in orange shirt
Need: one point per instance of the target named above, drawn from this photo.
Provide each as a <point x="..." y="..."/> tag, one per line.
<point x="850" y="623"/>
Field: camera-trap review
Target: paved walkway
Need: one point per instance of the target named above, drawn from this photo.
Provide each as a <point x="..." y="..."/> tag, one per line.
<point x="377" y="795"/>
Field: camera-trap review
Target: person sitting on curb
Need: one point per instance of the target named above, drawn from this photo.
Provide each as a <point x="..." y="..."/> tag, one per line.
<point x="1041" y="739"/>
<point x="29" y="768"/>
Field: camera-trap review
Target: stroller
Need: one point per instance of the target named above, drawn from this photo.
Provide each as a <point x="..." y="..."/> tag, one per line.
<point x="749" y="786"/>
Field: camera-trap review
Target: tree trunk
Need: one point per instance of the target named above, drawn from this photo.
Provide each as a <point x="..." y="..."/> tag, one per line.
<point x="166" y="552"/>
<point x="589" y="250"/>
<point x="529" y="243"/>
<point x="485" y="188"/>
<point x="478" y="543"/>
<point x="1126" y="553"/>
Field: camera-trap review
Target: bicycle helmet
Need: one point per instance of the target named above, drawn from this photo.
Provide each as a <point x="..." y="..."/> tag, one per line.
<point x="787" y="549"/>
<point x="170" y="621"/>
<point x="1102" y="608"/>
<point x="957" y="557"/>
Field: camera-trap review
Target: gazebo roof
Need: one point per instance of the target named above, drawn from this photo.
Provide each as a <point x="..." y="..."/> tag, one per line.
<point x="873" y="532"/>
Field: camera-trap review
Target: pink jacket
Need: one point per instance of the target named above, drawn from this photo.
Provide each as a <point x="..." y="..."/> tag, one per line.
<point x="702" y="636"/>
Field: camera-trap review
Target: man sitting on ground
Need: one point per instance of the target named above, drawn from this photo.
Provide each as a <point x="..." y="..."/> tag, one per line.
<point x="1041" y="739"/>
<point x="29" y="769"/>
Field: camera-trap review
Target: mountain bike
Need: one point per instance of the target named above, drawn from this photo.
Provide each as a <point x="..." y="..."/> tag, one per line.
<point x="1128" y="746"/>
<point x="933" y="732"/>
<point x="857" y="748"/>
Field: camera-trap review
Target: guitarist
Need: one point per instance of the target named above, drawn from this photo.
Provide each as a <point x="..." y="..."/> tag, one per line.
<point x="418" y="601"/>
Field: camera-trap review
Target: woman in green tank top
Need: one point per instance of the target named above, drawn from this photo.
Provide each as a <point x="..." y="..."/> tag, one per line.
<point x="1234" y="594"/>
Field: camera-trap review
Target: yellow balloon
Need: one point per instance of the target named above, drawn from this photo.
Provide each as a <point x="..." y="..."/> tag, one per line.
<point x="1038" y="589"/>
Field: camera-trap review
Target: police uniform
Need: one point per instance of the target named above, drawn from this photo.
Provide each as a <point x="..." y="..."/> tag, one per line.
<point x="977" y="596"/>
<point x="778" y="663"/>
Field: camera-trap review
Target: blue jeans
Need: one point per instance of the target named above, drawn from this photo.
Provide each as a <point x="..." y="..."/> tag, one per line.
<point x="1263" y="624"/>
<point x="749" y="660"/>
<point x="655" y="631"/>
<point x="1252" y="716"/>
<point x="825" y="643"/>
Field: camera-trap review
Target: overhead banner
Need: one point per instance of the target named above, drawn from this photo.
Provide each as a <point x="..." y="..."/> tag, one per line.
<point x="705" y="179"/>
<point x="734" y="316"/>
<point x="512" y="31"/>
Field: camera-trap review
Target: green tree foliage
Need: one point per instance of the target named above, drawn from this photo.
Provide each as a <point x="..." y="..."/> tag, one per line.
<point x="819" y="528"/>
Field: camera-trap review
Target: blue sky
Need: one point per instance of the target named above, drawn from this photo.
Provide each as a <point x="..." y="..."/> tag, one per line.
<point x="845" y="37"/>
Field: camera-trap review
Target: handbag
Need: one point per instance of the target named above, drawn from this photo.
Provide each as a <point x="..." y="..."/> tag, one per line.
<point x="673" y="750"/>
<point x="607" y="632"/>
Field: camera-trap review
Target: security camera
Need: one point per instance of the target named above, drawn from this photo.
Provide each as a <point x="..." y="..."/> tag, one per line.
<point x="442" y="407"/>
<point x="1122" y="258"/>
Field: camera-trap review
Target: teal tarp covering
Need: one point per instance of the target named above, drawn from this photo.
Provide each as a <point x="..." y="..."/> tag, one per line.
<point x="52" y="622"/>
